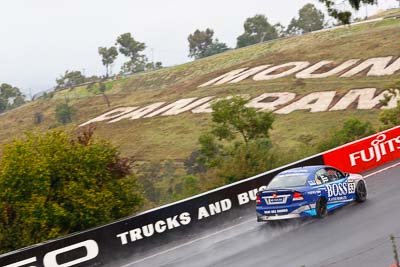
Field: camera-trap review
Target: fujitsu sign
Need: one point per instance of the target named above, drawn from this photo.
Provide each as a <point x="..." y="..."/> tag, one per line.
<point x="366" y="153"/>
<point x="380" y="147"/>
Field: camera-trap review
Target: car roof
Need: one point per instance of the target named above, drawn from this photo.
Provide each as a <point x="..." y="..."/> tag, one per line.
<point x="310" y="170"/>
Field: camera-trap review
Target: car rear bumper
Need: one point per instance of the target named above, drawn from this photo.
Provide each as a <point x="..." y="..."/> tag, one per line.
<point x="269" y="214"/>
<point x="263" y="218"/>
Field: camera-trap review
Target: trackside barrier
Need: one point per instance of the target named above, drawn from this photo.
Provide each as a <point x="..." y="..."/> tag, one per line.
<point x="111" y="244"/>
<point x="115" y="243"/>
<point x="367" y="153"/>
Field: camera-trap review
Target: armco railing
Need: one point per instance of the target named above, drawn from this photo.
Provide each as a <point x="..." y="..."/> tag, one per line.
<point x="129" y="237"/>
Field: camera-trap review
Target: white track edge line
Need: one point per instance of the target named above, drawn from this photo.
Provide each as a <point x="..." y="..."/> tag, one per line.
<point x="187" y="243"/>
<point x="382" y="170"/>
<point x="229" y="228"/>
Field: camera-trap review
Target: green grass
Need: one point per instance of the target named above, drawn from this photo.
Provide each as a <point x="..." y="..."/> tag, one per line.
<point x="175" y="137"/>
<point x="387" y="13"/>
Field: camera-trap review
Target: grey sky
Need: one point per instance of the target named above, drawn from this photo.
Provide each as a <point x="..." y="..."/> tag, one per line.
<point x="40" y="39"/>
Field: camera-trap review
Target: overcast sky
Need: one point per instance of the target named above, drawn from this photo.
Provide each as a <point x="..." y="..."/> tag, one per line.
<point x="40" y="39"/>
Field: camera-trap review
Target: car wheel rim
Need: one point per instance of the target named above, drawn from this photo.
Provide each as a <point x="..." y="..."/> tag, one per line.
<point x="361" y="191"/>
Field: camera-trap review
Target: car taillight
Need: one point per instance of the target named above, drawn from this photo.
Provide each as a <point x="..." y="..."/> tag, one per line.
<point x="297" y="196"/>
<point x="258" y="200"/>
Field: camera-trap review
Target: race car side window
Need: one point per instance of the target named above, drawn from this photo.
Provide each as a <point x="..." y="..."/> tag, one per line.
<point x="321" y="177"/>
<point x="332" y="174"/>
<point x="340" y="174"/>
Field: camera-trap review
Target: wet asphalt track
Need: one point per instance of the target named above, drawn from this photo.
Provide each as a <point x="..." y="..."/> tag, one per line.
<point x="356" y="235"/>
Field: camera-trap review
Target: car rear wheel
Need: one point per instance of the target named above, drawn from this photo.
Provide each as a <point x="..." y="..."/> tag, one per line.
<point x="361" y="192"/>
<point x="321" y="208"/>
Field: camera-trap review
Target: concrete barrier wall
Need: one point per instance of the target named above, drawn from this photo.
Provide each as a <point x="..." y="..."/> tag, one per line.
<point x="161" y="226"/>
<point x="126" y="238"/>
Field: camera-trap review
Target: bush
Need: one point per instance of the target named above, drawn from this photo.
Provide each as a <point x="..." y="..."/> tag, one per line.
<point x="245" y="150"/>
<point x="352" y="129"/>
<point x="246" y="160"/>
<point x="64" y="113"/>
<point x="52" y="184"/>
<point x="390" y="117"/>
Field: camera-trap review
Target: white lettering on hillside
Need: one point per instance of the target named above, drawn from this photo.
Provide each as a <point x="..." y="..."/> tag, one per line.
<point x="378" y="66"/>
<point x="235" y="75"/>
<point x="309" y="72"/>
<point x="179" y="106"/>
<point x="110" y="115"/>
<point x="294" y="67"/>
<point x="225" y="77"/>
<point x="365" y="99"/>
<point x="278" y="99"/>
<point x="393" y="101"/>
<point x="136" y="114"/>
<point x="206" y="108"/>
<point x="314" y="102"/>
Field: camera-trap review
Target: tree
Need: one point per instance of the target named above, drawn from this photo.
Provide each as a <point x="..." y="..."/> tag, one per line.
<point x="352" y="129"/>
<point x="345" y="16"/>
<point x="108" y="57"/>
<point x="132" y="49"/>
<point x="232" y="117"/>
<point x="10" y="97"/>
<point x="246" y="160"/>
<point x="391" y="117"/>
<point x="53" y="184"/>
<point x="280" y="30"/>
<point x="64" y="113"/>
<point x="199" y="42"/>
<point x="257" y="29"/>
<point x="103" y="89"/>
<point x="214" y="48"/>
<point x="134" y="66"/>
<point x="189" y="186"/>
<point x="310" y="19"/>
<point x="154" y="66"/>
<point x="245" y="146"/>
<point x="70" y="79"/>
<point x="3" y="104"/>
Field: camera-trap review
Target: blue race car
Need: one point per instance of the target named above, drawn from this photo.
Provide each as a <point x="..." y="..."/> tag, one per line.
<point x="308" y="191"/>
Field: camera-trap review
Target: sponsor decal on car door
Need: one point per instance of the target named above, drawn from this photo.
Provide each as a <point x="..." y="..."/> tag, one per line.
<point x="339" y="190"/>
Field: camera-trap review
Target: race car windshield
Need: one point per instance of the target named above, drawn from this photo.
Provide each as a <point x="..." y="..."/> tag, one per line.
<point x="292" y="180"/>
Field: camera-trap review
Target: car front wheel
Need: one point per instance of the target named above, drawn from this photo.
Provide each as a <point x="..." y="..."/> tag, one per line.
<point x="361" y="192"/>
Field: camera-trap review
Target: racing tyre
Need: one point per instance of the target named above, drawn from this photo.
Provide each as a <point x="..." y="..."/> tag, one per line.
<point x="361" y="192"/>
<point x="321" y="208"/>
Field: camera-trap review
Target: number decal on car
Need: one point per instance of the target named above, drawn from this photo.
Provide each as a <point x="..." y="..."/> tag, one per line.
<point x="352" y="188"/>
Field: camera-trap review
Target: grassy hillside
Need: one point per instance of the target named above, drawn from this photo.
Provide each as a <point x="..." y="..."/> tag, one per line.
<point x="175" y="137"/>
